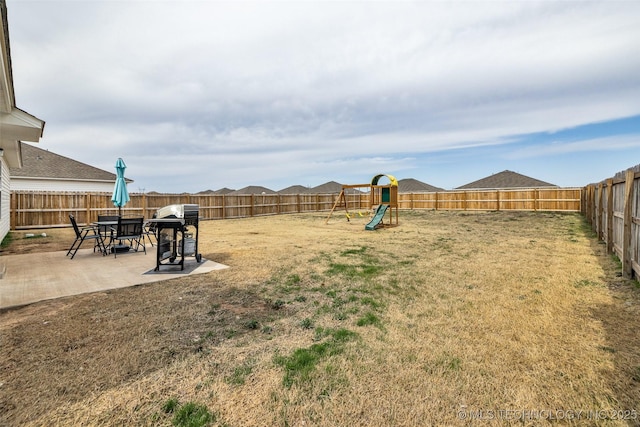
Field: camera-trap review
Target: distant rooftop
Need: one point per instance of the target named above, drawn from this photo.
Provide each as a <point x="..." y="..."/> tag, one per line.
<point x="294" y="189"/>
<point x="253" y="189"/>
<point x="506" y="179"/>
<point x="410" y="185"/>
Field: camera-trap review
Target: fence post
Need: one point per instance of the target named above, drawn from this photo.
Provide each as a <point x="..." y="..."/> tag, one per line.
<point x="13" y="206"/>
<point x="590" y="205"/>
<point x="224" y="206"/>
<point x="144" y="206"/>
<point x="627" y="268"/>
<point x="436" y="202"/>
<point x="610" y="215"/>
<point x="87" y="205"/>
<point x="498" y="200"/>
<point x="599" y="212"/>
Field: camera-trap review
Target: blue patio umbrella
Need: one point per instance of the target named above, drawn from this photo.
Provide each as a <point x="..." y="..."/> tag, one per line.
<point x="120" y="194"/>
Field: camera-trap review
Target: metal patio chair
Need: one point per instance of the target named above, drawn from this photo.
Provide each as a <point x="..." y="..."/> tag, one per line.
<point x="129" y="230"/>
<point x="149" y="232"/>
<point x="85" y="233"/>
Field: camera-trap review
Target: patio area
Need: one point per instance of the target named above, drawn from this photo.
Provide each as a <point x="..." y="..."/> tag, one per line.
<point x="36" y="277"/>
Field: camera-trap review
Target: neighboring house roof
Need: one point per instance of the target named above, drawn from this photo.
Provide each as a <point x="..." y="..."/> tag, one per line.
<point x="253" y="189"/>
<point x="327" y="187"/>
<point x="410" y="185"/>
<point x="506" y="179"/>
<point x="294" y="189"/>
<point x="224" y="190"/>
<point x="43" y="164"/>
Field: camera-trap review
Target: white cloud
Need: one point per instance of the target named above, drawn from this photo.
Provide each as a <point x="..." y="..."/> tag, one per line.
<point x="308" y="83"/>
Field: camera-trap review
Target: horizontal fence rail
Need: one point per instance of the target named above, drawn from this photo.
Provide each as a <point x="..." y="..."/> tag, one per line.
<point x="612" y="207"/>
<point x="31" y="209"/>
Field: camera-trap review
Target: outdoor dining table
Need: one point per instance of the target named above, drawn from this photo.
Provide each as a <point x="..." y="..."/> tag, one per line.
<point x="113" y="225"/>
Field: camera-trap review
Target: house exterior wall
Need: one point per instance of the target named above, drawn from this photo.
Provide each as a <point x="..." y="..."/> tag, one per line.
<point x="5" y="200"/>
<point x="31" y="184"/>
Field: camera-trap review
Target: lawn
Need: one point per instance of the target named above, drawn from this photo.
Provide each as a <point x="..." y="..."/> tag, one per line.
<point x="509" y="317"/>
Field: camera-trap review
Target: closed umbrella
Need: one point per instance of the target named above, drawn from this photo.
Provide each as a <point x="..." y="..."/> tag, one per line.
<point x="120" y="194"/>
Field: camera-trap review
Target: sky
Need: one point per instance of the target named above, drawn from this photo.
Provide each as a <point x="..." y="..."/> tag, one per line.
<point x="204" y="95"/>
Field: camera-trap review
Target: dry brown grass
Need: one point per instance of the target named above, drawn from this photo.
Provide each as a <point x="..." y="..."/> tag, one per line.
<point x="458" y="311"/>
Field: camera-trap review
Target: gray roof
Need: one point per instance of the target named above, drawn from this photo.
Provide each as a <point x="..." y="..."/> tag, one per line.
<point x="506" y="179"/>
<point x="39" y="163"/>
<point x="224" y="190"/>
<point x="294" y="189"/>
<point x="410" y="185"/>
<point x="253" y="189"/>
<point x="327" y="187"/>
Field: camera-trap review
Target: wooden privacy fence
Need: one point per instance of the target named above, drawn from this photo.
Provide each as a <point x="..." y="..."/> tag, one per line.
<point x="612" y="207"/>
<point x="51" y="209"/>
<point x="533" y="199"/>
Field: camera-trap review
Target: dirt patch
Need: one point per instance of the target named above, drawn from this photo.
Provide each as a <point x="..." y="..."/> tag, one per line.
<point x="448" y="313"/>
<point x="34" y="241"/>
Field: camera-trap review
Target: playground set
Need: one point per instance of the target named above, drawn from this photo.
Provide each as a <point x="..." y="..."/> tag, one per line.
<point x="381" y="199"/>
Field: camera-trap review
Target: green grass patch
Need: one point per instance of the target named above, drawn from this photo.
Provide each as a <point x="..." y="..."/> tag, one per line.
<point x="239" y="375"/>
<point x="7" y="240"/>
<point x="170" y="406"/>
<point x="368" y="301"/>
<point x="369" y="319"/>
<point x="192" y="415"/>
<point x="354" y="271"/>
<point x="188" y="415"/>
<point x="585" y="283"/>
<point x="447" y="362"/>
<point x="252" y="324"/>
<point x="367" y="268"/>
<point x="359" y="251"/>
<point x="300" y="365"/>
<point x="306" y="323"/>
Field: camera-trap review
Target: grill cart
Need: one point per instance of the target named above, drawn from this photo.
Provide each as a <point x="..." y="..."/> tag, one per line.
<point x="175" y="227"/>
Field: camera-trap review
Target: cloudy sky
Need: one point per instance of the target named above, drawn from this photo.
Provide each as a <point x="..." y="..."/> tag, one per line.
<point x="198" y="95"/>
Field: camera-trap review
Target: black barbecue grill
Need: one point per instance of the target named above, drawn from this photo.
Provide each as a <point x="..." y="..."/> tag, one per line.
<point x="171" y="222"/>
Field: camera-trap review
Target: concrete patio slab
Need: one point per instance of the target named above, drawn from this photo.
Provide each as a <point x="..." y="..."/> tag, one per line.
<point x="36" y="277"/>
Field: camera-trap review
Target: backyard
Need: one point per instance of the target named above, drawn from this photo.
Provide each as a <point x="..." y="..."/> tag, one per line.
<point x="450" y="318"/>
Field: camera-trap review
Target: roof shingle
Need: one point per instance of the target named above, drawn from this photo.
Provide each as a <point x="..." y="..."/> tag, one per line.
<point x="39" y="163"/>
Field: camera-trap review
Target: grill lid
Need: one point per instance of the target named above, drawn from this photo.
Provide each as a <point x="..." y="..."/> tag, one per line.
<point x="178" y="211"/>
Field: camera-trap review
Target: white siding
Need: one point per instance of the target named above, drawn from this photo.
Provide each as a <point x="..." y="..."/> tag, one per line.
<point x="5" y="200"/>
<point x="30" y="184"/>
